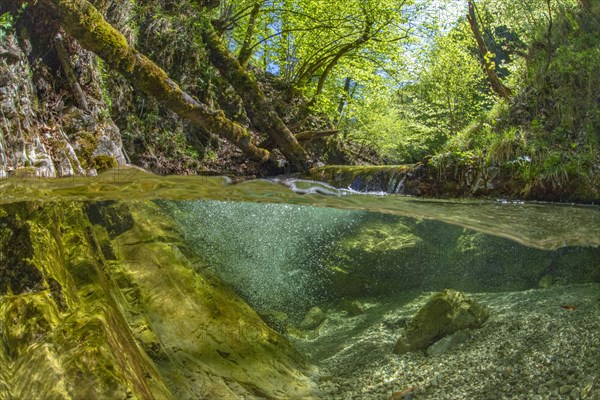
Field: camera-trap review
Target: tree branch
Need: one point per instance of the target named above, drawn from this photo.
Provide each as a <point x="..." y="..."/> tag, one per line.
<point x="246" y="51"/>
<point x="83" y="22"/>
<point x="497" y="86"/>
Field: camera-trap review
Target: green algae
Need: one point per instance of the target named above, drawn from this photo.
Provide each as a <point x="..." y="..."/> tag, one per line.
<point x="141" y="323"/>
<point x="63" y="340"/>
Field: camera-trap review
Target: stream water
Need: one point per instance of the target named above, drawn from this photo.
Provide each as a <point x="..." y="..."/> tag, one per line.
<point x="340" y="274"/>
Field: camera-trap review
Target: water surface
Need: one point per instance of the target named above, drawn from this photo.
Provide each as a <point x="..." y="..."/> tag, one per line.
<point x="541" y="225"/>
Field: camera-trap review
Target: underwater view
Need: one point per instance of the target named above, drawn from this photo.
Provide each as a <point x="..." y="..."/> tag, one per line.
<point x="134" y="286"/>
<point x="299" y="200"/>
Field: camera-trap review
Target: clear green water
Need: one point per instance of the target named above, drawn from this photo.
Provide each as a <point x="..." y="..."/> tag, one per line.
<point x="285" y="252"/>
<point x="278" y="246"/>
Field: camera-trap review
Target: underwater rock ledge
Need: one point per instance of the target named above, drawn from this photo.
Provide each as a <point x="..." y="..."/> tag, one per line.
<point x="122" y="309"/>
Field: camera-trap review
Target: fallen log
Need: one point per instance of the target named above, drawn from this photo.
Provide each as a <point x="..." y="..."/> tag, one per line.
<point x="85" y="23"/>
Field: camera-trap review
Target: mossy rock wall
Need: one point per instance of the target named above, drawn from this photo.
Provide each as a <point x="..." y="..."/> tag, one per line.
<point x="33" y="140"/>
<point x="119" y="310"/>
<point x="451" y="176"/>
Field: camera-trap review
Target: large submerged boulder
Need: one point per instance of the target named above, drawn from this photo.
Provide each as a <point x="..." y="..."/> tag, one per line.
<point x="446" y="312"/>
<point x="119" y="306"/>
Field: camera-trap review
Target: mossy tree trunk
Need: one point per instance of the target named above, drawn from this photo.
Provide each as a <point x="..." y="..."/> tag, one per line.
<point x="246" y="51"/>
<point x="497" y="86"/>
<point x="65" y="61"/>
<point x="260" y="110"/>
<point x="84" y="22"/>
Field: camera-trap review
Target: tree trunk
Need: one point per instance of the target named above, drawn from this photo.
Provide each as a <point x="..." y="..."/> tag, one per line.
<point x="344" y="98"/>
<point x="84" y="23"/>
<point x="246" y="50"/>
<point x="259" y="109"/>
<point x="497" y="86"/>
<point x="305" y="136"/>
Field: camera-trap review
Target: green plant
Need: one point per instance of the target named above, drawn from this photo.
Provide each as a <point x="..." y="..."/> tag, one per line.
<point x="6" y="24"/>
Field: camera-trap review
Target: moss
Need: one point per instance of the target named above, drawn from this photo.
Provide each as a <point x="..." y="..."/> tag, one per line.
<point x="25" y="172"/>
<point x="88" y="25"/>
<point x="104" y="162"/>
<point x="86" y="144"/>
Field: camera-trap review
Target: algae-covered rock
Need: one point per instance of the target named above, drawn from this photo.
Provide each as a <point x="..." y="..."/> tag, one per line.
<point x="64" y="336"/>
<point x="114" y="216"/>
<point x="144" y="323"/>
<point x="313" y="318"/>
<point x="277" y="320"/>
<point x="215" y="345"/>
<point x="352" y="307"/>
<point x="375" y="258"/>
<point x="445" y="313"/>
<point x="17" y="274"/>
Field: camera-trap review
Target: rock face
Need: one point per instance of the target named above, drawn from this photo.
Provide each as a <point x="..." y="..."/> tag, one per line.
<point x="445" y="313"/>
<point x="98" y="307"/>
<point x="33" y="141"/>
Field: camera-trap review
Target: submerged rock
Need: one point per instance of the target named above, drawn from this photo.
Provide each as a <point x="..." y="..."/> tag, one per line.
<point x="313" y="318"/>
<point x="144" y="323"/>
<point x="352" y="307"/>
<point x="373" y="259"/>
<point x="448" y="343"/>
<point x="445" y="313"/>
<point x="114" y="216"/>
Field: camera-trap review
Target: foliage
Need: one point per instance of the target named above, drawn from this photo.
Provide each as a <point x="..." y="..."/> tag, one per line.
<point x="451" y="87"/>
<point x="7" y="20"/>
<point x="399" y="79"/>
<point x="526" y="19"/>
<point x="547" y="133"/>
<point x="406" y="122"/>
<point x="168" y="33"/>
<point x="298" y="39"/>
<point x="6" y="23"/>
<point x="381" y="123"/>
